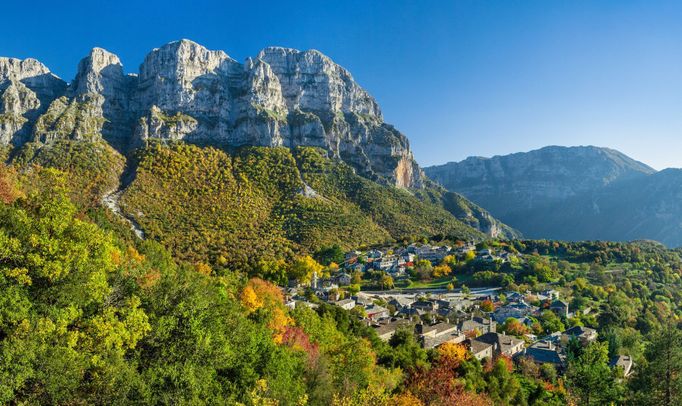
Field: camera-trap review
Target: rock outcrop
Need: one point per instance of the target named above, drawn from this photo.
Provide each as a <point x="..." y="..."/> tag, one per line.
<point x="26" y="89"/>
<point x="282" y="97"/>
<point x="183" y="91"/>
<point x="100" y="81"/>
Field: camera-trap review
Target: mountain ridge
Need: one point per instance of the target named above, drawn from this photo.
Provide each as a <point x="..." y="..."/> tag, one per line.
<point x="283" y="97"/>
<point x="546" y="148"/>
<point x="572" y="193"/>
<point x="187" y="93"/>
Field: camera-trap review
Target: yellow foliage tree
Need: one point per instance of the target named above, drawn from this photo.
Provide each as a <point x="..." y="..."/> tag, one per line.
<point x="449" y="260"/>
<point x="406" y="399"/>
<point x="203" y="268"/>
<point x="453" y="352"/>
<point x="303" y="269"/>
<point x="441" y="270"/>
<point x="260" y="294"/>
<point x="250" y="299"/>
<point x="278" y="323"/>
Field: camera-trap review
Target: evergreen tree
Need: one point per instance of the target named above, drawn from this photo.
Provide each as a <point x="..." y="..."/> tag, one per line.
<point x="590" y="379"/>
<point x="659" y="381"/>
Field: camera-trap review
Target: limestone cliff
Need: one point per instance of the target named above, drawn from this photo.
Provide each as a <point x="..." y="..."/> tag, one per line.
<point x="26" y="89"/>
<point x="183" y="91"/>
<point x="282" y="97"/>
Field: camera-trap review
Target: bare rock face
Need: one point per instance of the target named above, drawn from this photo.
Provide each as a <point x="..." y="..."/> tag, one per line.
<point x="311" y="81"/>
<point x="100" y="80"/>
<point x="76" y="119"/>
<point x="158" y="125"/>
<point x="26" y="89"/>
<point x="328" y="109"/>
<point x="283" y="97"/>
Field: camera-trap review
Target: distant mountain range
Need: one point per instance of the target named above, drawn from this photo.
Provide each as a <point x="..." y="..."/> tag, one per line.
<point x="572" y="193"/>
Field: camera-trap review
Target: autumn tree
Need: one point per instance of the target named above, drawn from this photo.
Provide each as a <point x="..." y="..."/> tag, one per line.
<point x="303" y="269"/>
<point x="514" y="327"/>
<point x="487" y="305"/>
<point x="441" y="270"/>
<point x="386" y="282"/>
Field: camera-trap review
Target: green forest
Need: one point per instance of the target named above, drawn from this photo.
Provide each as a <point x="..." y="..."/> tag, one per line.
<point x="193" y="314"/>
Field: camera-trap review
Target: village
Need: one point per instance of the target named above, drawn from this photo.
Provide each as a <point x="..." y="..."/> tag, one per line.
<point x="492" y="321"/>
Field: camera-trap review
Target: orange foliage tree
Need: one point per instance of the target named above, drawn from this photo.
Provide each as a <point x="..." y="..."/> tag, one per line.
<point x="439" y="384"/>
<point x="259" y="294"/>
<point x="487" y="305"/>
<point x="514" y="327"/>
<point x="8" y="190"/>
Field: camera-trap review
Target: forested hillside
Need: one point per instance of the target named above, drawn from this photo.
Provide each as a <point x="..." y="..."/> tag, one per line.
<point x="91" y="315"/>
<point x="206" y="204"/>
<point x="229" y="209"/>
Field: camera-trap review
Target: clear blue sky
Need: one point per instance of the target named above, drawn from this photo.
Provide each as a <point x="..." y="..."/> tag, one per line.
<point x="459" y="78"/>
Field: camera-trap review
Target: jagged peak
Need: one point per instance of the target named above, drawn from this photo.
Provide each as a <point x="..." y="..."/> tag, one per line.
<point x="183" y="42"/>
<point x="184" y="53"/>
<point x="290" y="51"/>
<point x="96" y="61"/>
<point x="191" y="47"/>
<point x="96" y="72"/>
<point x="22" y="68"/>
<point x="97" y="55"/>
<point x="277" y="50"/>
<point x="269" y="53"/>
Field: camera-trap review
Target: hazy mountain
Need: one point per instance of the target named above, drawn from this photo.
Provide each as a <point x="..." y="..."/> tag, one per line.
<point x="509" y="183"/>
<point x="645" y="207"/>
<point x="573" y="193"/>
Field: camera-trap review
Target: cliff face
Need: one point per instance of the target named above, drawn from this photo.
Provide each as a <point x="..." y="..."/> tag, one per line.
<point x="183" y="91"/>
<point x="283" y="97"/>
<point x="26" y="89"/>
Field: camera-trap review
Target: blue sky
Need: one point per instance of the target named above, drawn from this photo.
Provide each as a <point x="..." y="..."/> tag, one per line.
<point x="459" y="78"/>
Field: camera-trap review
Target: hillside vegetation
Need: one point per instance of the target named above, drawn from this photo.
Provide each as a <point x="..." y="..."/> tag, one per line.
<point x="230" y="209"/>
<point x="94" y="168"/>
<point x="89" y="318"/>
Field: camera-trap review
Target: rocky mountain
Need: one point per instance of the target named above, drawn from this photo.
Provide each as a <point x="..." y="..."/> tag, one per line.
<point x="187" y="93"/>
<point x="26" y="89"/>
<point x="644" y="207"/>
<point x="283" y="97"/>
<point x="572" y="193"/>
<point x="526" y="180"/>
